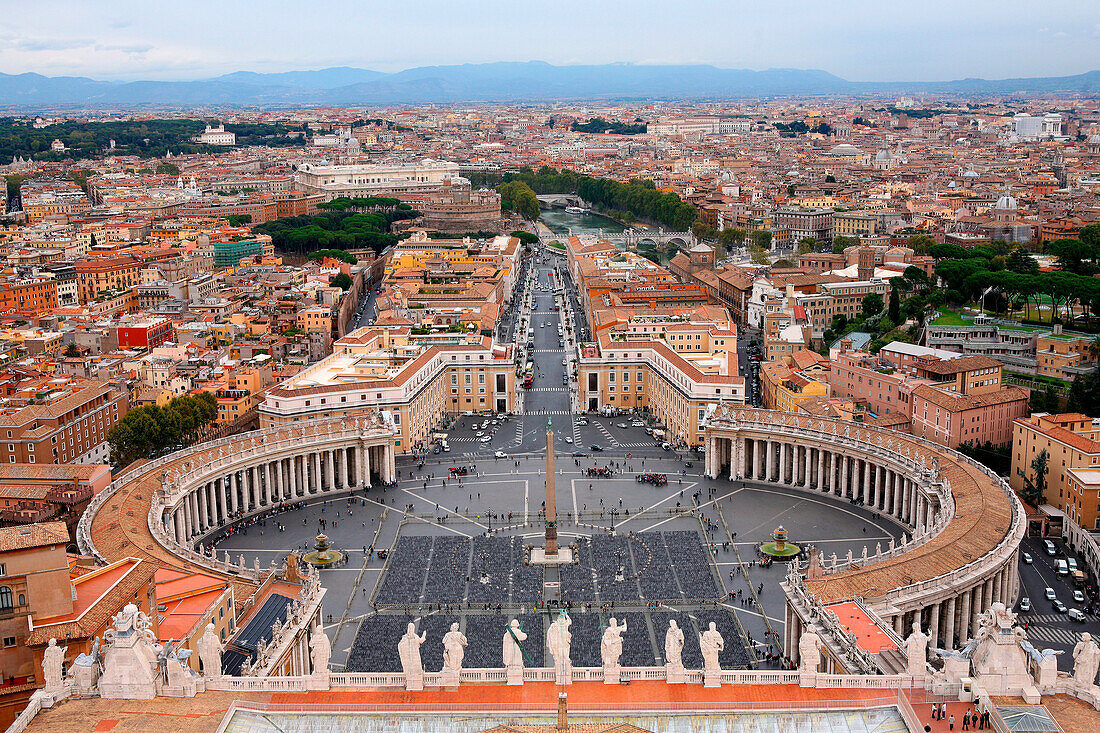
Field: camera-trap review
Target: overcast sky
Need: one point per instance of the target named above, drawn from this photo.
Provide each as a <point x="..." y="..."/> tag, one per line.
<point x="860" y="40"/>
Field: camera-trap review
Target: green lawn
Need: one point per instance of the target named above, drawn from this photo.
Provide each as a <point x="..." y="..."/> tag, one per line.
<point x="950" y="318"/>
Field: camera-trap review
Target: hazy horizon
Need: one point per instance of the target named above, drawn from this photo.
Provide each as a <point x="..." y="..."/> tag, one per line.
<point x="859" y="40"/>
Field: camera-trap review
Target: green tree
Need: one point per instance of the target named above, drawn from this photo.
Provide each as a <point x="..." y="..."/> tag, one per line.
<point x="341" y="280"/>
<point x="702" y="230"/>
<point x="761" y="238"/>
<point x="895" y="302"/>
<point x="169" y="169"/>
<point x="72" y="351"/>
<point x="806" y="245"/>
<point x="732" y="238"/>
<point x="519" y="197"/>
<point x="840" y="243"/>
<point x="920" y="243"/>
<point x="1035" y="486"/>
<point x="1020" y="261"/>
<point x="758" y="255"/>
<point x="525" y="237"/>
<point x="872" y="304"/>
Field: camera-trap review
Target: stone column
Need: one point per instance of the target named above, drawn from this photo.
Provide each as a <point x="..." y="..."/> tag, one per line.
<point x="234" y="491"/>
<point x="317" y="478"/>
<point x="845" y="489"/>
<point x="935" y="626"/>
<point x="964" y="617"/>
<point x="391" y="462"/>
<point x="177" y="524"/>
<point x="895" y="490"/>
<point x="366" y="466"/>
<point x="949" y="622"/>
<point x="204" y="517"/>
<point x="330" y="467"/>
<point x="342" y="466"/>
<point x="820" y="469"/>
<point x="905" y="499"/>
<point x="783" y="450"/>
<point x="868" y="490"/>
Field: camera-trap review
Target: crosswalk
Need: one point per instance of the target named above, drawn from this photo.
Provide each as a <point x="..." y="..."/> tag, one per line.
<point x="643" y="444"/>
<point x="549" y="389"/>
<point x="1049" y="634"/>
<point x="1043" y="618"/>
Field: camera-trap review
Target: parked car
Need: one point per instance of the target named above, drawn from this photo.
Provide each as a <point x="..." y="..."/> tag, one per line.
<point x="622" y="425"/>
<point x="1025" y="604"/>
<point x="1078" y="597"/>
<point x="1027" y="559"/>
<point x="500" y="454"/>
<point x="568" y="439"/>
<point x="1059" y="606"/>
<point x="595" y="447"/>
<point x="1050" y="594"/>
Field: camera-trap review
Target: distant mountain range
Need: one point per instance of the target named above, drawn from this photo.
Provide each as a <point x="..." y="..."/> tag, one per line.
<point x="494" y="82"/>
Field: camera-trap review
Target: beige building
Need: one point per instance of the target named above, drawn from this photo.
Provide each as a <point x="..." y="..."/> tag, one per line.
<point x="1072" y="443"/>
<point x="670" y="367"/>
<point x="418" y="379"/>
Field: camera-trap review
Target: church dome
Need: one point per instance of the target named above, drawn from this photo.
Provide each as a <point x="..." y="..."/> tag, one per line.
<point x="1006" y="203"/>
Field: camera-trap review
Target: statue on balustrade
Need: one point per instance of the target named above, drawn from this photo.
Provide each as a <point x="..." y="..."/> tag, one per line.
<point x="558" y="640"/>
<point x="1086" y="660"/>
<point x="409" y="651"/>
<point x="320" y="650"/>
<point x="611" y="646"/>
<point x="710" y="644"/>
<point x="454" y="649"/>
<point x="809" y="651"/>
<point x="674" y="644"/>
<point x="513" y="653"/>
<point x="210" y="652"/>
<point x="916" y="651"/>
<point x="53" y="664"/>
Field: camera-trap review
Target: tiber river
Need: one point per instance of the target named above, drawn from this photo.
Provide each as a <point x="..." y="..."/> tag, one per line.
<point x="560" y="221"/>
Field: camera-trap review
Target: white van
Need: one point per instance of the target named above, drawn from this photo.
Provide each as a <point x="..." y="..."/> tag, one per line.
<point x="1072" y="562"/>
<point x="1051" y="549"/>
<point x="1063" y="567"/>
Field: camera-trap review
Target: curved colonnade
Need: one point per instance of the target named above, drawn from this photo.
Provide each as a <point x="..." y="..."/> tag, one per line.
<point x="965" y="521"/>
<point x="162" y="509"/>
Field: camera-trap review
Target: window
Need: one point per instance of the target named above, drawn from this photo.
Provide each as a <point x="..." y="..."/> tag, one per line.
<point x="9" y="641"/>
<point x="5" y="597"/>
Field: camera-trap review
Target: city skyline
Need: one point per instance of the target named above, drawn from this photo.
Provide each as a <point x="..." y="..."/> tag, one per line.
<point x="860" y="41"/>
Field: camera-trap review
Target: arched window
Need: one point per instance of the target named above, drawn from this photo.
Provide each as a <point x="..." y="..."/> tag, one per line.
<point x="22" y="600"/>
<point x="5" y="597"/>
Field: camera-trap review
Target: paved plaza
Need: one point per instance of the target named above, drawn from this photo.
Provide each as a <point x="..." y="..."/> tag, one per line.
<point x="503" y="499"/>
<point x="454" y="546"/>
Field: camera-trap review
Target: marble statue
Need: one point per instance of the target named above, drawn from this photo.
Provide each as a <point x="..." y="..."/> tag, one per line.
<point x="916" y="651"/>
<point x="409" y="651"/>
<point x="512" y="653"/>
<point x="809" y="652"/>
<point x="53" y="663"/>
<point x="710" y="644"/>
<point x="210" y="652"/>
<point x="454" y="649"/>
<point x="320" y="650"/>
<point x="1086" y="660"/>
<point x="558" y="639"/>
<point x="674" y="644"/>
<point x="611" y="646"/>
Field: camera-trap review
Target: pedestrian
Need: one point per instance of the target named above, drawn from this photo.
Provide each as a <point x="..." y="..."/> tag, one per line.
<point x="943" y="710"/>
<point x="966" y="720"/>
<point x="950" y="722"/>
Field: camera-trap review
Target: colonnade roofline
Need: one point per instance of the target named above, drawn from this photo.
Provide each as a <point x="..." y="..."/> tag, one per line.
<point x="967" y="520"/>
<point x="156" y="509"/>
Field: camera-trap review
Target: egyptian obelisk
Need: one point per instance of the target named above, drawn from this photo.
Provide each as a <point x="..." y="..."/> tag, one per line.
<point x="551" y="497"/>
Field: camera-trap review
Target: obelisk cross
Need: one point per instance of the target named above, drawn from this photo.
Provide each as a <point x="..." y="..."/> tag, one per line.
<point x="551" y="495"/>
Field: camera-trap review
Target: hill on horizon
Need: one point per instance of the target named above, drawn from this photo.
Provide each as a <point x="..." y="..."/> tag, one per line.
<point x="531" y="81"/>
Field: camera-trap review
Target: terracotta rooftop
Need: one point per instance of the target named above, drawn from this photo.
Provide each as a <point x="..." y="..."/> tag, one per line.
<point x="983" y="515"/>
<point x="957" y="402"/>
<point x="27" y="536"/>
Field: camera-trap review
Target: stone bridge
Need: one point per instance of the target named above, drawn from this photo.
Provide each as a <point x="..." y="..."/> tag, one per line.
<point x="560" y="200"/>
<point x="631" y="238"/>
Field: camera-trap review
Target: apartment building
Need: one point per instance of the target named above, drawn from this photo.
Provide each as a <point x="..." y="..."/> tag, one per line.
<point x="30" y="296"/>
<point x="1072" y="444"/>
<point x="417" y="378"/>
<point x="59" y="420"/>
<point x="105" y="273"/>
<point x="801" y="223"/>
<point x="793" y="379"/>
<point x="670" y="368"/>
<point x="952" y="419"/>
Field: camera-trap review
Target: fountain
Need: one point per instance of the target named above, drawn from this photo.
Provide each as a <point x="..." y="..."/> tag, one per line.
<point x="323" y="556"/>
<point x="779" y="548"/>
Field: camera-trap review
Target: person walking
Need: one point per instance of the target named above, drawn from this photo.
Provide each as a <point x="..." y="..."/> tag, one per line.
<point x="951" y="722"/>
